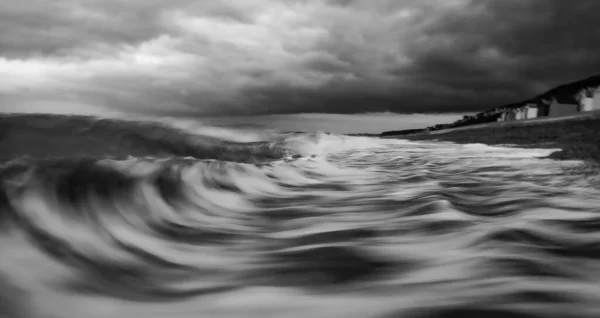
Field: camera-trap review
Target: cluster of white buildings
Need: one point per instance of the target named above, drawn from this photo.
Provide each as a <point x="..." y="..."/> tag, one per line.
<point x="587" y="100"/>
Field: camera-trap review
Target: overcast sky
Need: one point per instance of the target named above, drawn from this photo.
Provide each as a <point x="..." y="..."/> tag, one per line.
<point x="220" y="58"/>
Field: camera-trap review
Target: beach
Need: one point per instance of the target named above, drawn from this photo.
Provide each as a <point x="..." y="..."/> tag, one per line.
<point x="578" y="137"/>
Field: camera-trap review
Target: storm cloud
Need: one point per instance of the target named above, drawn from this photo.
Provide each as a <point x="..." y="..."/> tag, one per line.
<point x="187" y="57"/>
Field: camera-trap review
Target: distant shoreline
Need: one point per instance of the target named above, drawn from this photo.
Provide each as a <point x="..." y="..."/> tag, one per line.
<point x="577" y="136"/>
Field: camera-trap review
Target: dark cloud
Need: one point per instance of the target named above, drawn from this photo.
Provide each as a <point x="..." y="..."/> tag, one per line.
<point x="266" y="56"/>
<point x="514" y="46"/>
<point x="39" y="27"/>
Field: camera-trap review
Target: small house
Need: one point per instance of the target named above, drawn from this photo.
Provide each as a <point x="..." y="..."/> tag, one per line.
<point x="521" y="113"/>
<point x="543" y="109"/>
<point x="563" y="107"/>
<point x="589" y="100"/>
<point x="531" y="111"/>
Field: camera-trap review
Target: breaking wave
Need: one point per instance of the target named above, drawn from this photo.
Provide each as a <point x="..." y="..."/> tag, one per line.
<point x="218" y="221"/>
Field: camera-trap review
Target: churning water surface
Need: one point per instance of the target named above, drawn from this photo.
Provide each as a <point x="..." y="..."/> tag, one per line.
<point x="336" y="226"/>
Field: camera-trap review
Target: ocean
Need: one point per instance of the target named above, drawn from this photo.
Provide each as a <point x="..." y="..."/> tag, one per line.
<point x="263" y="223"/>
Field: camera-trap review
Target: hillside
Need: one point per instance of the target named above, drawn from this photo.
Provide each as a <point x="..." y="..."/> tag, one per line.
<point x="566" y="93"/>
<point x="577" y="136"/>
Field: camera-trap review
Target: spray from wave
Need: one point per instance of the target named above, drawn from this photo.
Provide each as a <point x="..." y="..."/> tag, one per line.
<point x="180" y="219"/>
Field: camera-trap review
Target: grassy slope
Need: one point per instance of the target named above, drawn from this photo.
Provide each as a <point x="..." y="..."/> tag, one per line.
<point x="578" y="137"/>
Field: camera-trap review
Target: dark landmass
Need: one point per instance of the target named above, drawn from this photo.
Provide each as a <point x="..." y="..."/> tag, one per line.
<point x="578" y="137"/>
<point x="566" y="93"/>
<point x="403" y="132"/>
<point x="363" y="135"/>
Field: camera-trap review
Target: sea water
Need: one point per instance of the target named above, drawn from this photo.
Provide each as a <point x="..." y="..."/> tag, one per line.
<point x="326" y="226"/>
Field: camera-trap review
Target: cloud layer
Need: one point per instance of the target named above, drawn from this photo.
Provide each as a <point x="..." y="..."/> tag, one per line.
<point x="195" y="58"/>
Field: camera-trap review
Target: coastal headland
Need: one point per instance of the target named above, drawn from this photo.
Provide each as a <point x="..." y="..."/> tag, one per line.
<point x="578" y="136"/>
<point x="566" y="117"/>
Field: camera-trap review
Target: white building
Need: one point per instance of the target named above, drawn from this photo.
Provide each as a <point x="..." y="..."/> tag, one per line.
<point x="521" y="113"/>
<point x="590" y="100"/>
<point x="531" y="111"/>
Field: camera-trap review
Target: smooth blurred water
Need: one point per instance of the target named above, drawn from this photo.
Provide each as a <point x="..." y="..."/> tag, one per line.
<point x="341" y="227"/>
